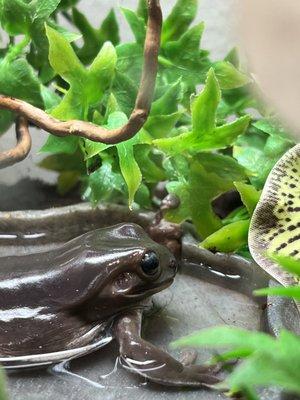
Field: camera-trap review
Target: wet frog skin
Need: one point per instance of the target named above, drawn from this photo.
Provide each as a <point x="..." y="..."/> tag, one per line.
<point x="50" y="301"/>
<point x="58" y="301"/>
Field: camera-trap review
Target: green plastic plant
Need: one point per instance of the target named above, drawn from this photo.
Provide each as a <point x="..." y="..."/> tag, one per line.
<point x="267" y="362"/>
<point x="193" y="139"/>
<point x="206" y="133"/>
<point x="3" y="393"/>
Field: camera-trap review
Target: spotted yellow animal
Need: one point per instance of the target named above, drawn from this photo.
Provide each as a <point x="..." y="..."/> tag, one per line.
<point x="275" y="226"/>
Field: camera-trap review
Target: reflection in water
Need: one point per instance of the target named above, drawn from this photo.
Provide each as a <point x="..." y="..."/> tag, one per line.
<point x="85" y="373"/>
<point x="65" y="368"/>
<point x="222" y="274"/>
<point x="21" y="236"/>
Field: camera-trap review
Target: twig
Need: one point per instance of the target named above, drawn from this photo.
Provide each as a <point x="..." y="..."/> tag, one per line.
<point x="20" y="152"/>
<point x="93" y="132"/>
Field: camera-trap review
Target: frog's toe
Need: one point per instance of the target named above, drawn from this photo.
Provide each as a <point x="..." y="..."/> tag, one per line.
<point x="188" y="357"/>
<point x="199" y="375"/>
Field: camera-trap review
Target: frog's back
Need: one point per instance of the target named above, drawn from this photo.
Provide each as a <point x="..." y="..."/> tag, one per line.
<point x="31" y="321"/>
<point x="61" y="274"/>
<point x="39" y="293"/>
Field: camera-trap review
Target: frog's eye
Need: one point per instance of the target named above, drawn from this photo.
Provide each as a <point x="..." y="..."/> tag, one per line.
<point x="150" y="263"/>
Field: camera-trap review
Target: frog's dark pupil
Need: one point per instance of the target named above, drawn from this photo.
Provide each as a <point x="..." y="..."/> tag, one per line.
<point x="150" y="263"/>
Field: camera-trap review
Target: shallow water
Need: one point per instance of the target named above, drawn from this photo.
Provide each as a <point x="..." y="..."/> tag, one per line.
<point x="202" y="296"/>
<point x="187" y="306"/>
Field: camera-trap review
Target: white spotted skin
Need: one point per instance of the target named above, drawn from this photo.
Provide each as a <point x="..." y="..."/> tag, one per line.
<point x="275" y="226"/>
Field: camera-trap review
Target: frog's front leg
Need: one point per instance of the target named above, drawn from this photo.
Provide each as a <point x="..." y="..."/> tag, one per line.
<point x="143" y="358"/>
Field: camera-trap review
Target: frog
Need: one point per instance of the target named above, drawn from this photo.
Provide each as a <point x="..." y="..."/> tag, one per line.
<point x="56" y="304"/>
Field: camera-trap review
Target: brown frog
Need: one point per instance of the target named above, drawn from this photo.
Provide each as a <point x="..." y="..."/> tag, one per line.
<point x="56" y="305"/>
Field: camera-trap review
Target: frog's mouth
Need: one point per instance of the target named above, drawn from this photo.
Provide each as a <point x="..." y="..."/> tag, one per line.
<point x="146" y="291"/>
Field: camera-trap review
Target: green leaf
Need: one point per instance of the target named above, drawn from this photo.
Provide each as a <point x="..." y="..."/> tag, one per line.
<point x="44" y="8"/>
<point x="272" y="127"/>
<point x="101" y="73"/>
<point x="249" y="393"/>
<point x="185" y="52"/>
<point x="227" y="134"/>
<point x="205" y="134"/>
<point x="252" y="151"/>
<point x="67" y="181"/>
<point x="229" y="76"/>
<point x="233" y="57"/>
<point x="143" y="198"/>
<point x="130" y="61"/>
<point x="104" y="181"/>
<point x="231" y="355"/>
<point x="205" y="105"/>
<point x="183" y="59"/>
<point x="196" y="196"/>
<point x="128" y="165"/>
<point x="177" y="168"/>
<point x="3" y="391"/>
<point x="87" y="86"/>
<point x="181" y="189"/>
<point x="226" y="167"/>
<point x="160" y="126"/>
<point x="125" y="91"/>
<point x="67" y="66"/>
<point x="249" y="195"/>
<point x="70" y="36"/>
<point x="168" y="103"/>
<point x="164" y="112"/>
<point x="64" y="162"/>
<point x="65" y="4"/>
<point x="57" y="145"/>
<point x="6" y="120"/>
<point x="142" y="10"/>
<point x="93" y="39"/>
<point x="152" y="173"/>
<point x="198" y="185"/>
<point x="15" y="16"/>
<point x="91" y="148"/>
<point x="227" y="337"/>
<point x="269" y="361"/>
<point x="279" y="366"/>
<point x="28" y="18"/>
<point x="109" y="30"/>
<point x="182" y="15"/>
<point x="236" y="215"/>
<point x="50" y="98"/>
<point x="291" y="292"/>
<point x="229" y="238"/>
<point x="18" y="79"/>
<point x="130" y="169"/>
<point x="136" y="23"/>
<point x="290" y="264"/>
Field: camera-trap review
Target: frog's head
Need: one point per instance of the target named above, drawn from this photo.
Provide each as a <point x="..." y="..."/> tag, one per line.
<point x="133" y="267"/>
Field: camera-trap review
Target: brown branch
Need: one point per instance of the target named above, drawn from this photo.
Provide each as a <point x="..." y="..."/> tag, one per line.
<point x="93" y="132"/>
<point x="20" y="152"/>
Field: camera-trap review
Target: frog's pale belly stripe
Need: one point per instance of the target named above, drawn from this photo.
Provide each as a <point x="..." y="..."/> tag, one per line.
<point x="275" y="226"/>
<point x="39" y="360"/>
<point x="60" y="304"/>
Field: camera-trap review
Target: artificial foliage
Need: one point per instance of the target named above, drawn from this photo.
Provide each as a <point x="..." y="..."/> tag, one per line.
<point x="207" y="134"/>
<point x="266" y="361"/>
<point x="199" y="137"/>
